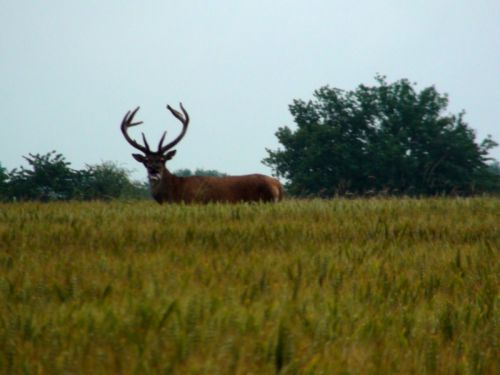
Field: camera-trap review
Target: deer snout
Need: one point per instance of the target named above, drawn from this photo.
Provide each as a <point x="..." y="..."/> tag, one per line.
<point x="154" y="174"/>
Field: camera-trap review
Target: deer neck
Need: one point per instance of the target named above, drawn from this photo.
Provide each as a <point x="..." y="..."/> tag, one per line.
<point x="163" y="189"/>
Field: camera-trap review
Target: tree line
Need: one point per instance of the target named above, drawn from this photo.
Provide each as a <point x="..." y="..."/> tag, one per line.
<point x="49" y="177"/>
<point x="389" y="138"/>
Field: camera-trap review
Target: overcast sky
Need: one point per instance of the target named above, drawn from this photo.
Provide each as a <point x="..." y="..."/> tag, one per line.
<point x="70" y="70"/>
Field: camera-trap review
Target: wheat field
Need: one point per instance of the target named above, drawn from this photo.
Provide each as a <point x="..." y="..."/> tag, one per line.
<point x="374" y="286"/>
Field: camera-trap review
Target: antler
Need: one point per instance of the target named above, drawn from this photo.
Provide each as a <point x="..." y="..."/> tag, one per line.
<point x="127" y="122"/>
<point x="182" y="117"/>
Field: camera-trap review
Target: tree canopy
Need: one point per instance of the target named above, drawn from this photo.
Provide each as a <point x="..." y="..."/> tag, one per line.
<point x="50" y="177"/>
<point x="387" y="137"/>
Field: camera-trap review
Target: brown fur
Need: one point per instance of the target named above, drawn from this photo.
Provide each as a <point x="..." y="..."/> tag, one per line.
<point x="206" y="189"/>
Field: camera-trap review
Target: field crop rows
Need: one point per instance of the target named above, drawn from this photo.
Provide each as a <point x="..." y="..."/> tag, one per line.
<point x="373" y="286"/>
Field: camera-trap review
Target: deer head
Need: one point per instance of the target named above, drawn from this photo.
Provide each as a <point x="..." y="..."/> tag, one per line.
<point x="154" y="161"/>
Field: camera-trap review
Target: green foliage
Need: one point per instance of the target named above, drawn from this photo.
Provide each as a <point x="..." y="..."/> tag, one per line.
<point x="3" y="182"/>
<point x="495" y="168"/>
<point x="378" y="286"/>
<point x="107" y="181"/>
<point x="388" y="137"/>
<point x="49" y="177"/>
<point x="491" y="180"/>
<point x="137" y="190"/>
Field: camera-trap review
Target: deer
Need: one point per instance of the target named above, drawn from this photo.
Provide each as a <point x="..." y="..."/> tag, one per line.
<point x="165" y="187"/>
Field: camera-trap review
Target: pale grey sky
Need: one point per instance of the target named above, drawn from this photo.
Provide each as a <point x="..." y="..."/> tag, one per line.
<point x="70" y="70"/>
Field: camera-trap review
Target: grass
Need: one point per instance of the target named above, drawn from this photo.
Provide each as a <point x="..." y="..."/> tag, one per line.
<point x="302" y="287"/>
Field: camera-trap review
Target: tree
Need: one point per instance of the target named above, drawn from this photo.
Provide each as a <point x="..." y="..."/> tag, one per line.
<point x="492" y="181"/>
<point x="387" y="137"/>
<point x="103" y="181"/>
<point x="110" y="181"/>
<point x="3" y="183"/>
<point x="48" y="178"/>
<point x="494" y="168"/>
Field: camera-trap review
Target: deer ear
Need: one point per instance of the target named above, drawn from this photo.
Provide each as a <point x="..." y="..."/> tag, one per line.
<point x="140" y="158"/>
<point x="169" y="155"/>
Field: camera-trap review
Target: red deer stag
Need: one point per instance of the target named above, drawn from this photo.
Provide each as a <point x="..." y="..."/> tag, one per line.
<point x="166" y="187"/>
